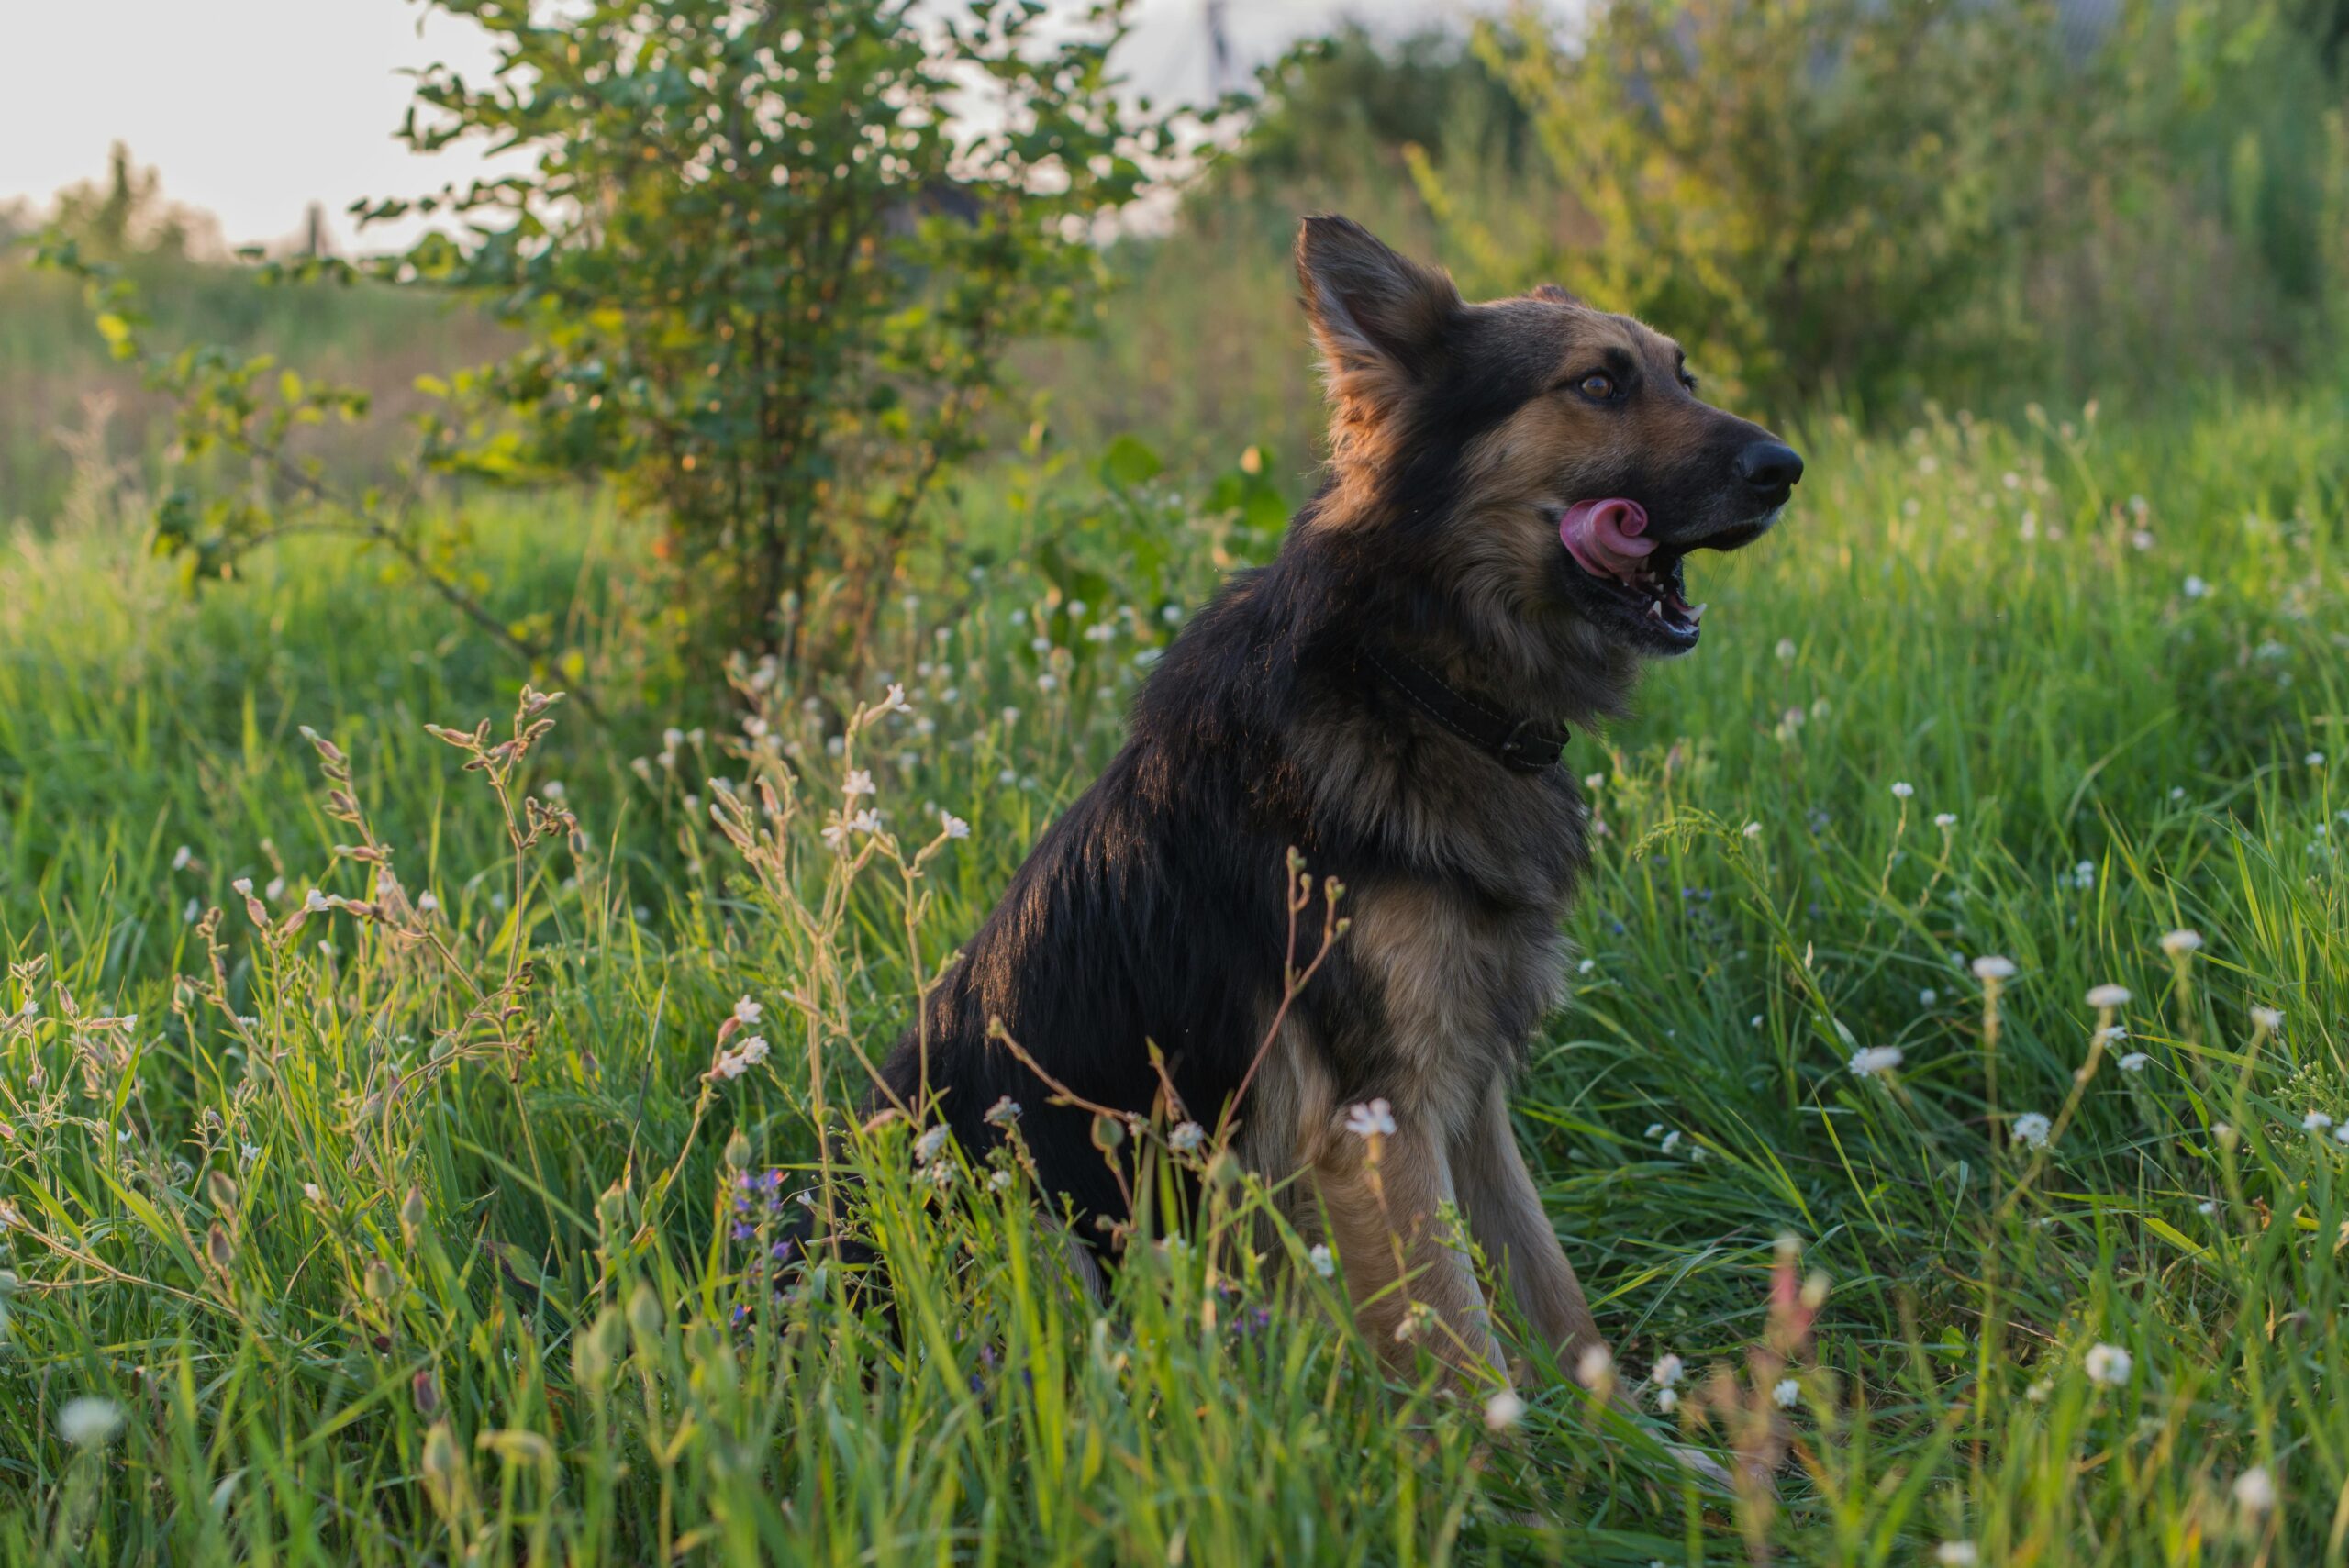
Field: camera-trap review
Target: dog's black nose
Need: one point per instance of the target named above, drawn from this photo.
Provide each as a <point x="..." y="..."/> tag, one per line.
<point x="1771" y="468"/>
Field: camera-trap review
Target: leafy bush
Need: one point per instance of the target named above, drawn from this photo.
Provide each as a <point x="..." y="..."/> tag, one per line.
<point x="1844" y="197"/>
<point x="764" y="261"/>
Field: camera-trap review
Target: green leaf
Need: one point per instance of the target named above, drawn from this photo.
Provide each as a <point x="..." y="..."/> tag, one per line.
<point x="1128" y="462"/>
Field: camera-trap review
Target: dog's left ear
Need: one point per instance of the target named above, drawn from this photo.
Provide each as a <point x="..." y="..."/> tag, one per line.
<point x="1553" y="295"/>
<point x="1379" y="317"/>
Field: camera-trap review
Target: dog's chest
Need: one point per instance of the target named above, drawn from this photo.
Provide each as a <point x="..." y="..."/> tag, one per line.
<point x="1459" y="985"/>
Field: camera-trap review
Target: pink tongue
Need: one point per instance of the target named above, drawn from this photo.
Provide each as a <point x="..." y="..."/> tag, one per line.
<point x="1600" y="536"/>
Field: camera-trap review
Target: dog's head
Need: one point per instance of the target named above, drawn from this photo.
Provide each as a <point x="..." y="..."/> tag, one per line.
<point x="1554" y="460"/>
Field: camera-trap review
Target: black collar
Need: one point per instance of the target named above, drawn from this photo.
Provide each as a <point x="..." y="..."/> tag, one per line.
<point x="1520" y="744"/>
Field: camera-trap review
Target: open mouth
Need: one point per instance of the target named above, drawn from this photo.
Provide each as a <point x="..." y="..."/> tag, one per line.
<point x="1636" y="581"/>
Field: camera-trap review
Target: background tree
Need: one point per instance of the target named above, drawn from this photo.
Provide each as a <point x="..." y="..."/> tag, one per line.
<point x="766" y="261"/>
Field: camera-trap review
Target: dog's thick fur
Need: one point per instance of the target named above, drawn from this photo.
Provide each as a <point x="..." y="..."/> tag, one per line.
<point x="1153" y="910"/>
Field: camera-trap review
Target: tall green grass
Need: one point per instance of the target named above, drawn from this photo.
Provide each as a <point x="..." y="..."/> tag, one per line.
<point x="419" y="1234"/>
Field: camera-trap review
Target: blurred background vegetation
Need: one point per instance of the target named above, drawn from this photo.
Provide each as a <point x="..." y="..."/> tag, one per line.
<point x="1839" y="203"/>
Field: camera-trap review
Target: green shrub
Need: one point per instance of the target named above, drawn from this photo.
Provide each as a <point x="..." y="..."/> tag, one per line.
<point x="764" y="261"/>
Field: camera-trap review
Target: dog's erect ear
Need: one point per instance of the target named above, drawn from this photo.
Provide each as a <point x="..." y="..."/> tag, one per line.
<point x="1379" y="317"/>
<point x="1554" y="294"/>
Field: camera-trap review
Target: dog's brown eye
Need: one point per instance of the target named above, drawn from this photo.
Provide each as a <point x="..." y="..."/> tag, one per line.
<point x="1596" y="386"/>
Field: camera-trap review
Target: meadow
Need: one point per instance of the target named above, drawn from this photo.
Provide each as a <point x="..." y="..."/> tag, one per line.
<point x="395" y="1124"/>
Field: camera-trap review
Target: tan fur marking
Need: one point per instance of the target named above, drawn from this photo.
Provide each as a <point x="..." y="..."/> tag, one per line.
<point x="1393" y="1224"/>
<point x="1514" y="1232"/>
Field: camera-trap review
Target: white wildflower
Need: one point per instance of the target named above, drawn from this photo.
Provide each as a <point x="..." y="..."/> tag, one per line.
<point x="1594" y="1368"/>
<point x="860" y="781"/>
<point x="2315" y="758"/>
<point x="752" y="1050"/>
<point x="1753" y="829"/>
<point x="1869" y="1060"/>
<point x="746" y="1012"/>
<point x="2268" y="1018"/>
<point x="999" y="1182"/>
<point x="2033" y="1129"/>
<point x="1375" y="1120"/>
<point x="2109" y="996"/>
<point x="1944" y="820"/>
<point x="1667" y="1371"/>
<point x="2109" y="1365"/>
<point x="1502" y="1411"/>
<point x="1902" y="789"/>
<point x="1990" y="966"/>
<point x="933" y="1141"/>
<point x="953" y="825"/>
<point x="1667" y="1401"/>
<point x="1955" y="1554"/>
<point x="1324" y="1261"/>
<point x="316" y="903"/>
<point x="2316" y="1121"/>
<point x="2255" y="1489"/>
<point x="2196" y="588"/>
<point x="181" y="856"/>
<point x="312" y="1191"/>
<point x="1185" y="1137"/>
<point x="88" y="1421"/>
<point x="2133" y="1062"/>
<point x="2179" y="943"/>
<point x="1787" y="1394"/>
<point x="1928" y="996"/>
<point x="1003" y="1112"/>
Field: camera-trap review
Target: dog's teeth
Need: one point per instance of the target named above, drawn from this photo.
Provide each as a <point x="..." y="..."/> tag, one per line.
<point x="1696" y="613"/>
<point x="1655" y="609"/>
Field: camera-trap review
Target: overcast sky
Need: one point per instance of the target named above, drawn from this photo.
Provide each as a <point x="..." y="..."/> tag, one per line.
<point x="253" y="108"/>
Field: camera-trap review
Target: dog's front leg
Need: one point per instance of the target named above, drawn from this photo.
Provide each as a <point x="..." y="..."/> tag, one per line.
<point x="1391" y="1212"/>
<point x="1506" y="1216"/>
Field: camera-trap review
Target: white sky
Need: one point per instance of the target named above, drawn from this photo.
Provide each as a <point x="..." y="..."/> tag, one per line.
<point x="251" y="109"/>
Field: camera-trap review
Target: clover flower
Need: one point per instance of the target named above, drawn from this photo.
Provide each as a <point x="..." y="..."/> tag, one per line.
<point x="2033" y="1129"/>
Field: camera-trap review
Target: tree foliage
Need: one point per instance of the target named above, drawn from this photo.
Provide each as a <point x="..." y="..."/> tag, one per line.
<point x="763" y="259"/>
<point x="767" y="258"/>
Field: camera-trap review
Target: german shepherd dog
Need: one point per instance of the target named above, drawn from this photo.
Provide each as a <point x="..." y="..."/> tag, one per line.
<point x="1512" y="489"/>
